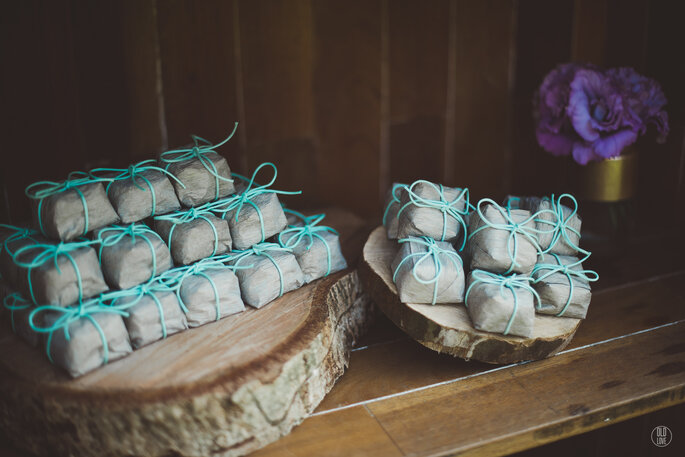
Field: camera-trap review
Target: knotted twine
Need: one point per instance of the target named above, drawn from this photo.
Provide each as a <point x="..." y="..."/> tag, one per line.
<point x="306" y="233"/>
<point x="566" y="270"/>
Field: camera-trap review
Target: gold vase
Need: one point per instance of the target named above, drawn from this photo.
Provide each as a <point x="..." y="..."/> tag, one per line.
<point x="609" y="180"/>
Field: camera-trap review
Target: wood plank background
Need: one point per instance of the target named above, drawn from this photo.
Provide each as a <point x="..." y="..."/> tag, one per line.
<point x="345" y="97"/>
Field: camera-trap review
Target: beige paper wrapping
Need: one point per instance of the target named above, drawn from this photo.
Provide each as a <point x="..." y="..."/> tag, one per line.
<point x="421" y="221"/>
<point x="260" y="284"/>
<point x="200" y="183"/>
<point x="488" y="248"/>
<point x="554" y="289"/>
<point x="490" y="309"/>
<point x="84" y="351"/>
<point x="63" y="216"/>
<point x="194" y="240"/>
<point x="144" y="322"/>
<point x="450" y="282"/>
<point x="314" y="261"/>
<point x="198" y="296"/>
<point x="392" y="207"/>
<point x="133" y="202"/>
<point x="247" y="231"/>
<point x="18" y="319"/>
<point x="129" y="263"/>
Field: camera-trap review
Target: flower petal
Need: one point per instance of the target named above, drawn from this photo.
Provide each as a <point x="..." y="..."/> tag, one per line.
<point x="556" y="143"/>
<point x="582" y="152"/>
<point x="612" y="145"/>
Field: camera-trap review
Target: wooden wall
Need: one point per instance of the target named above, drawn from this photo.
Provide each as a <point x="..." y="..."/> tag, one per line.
<point x="344" y="96"/>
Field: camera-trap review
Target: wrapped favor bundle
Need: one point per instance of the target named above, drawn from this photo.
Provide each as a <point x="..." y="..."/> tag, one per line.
<point x="255" y="213"/>
<point x="153" y="312"/>
<point x="563" y="286"/>
<point x="502" y="240"/>
<point x="393" y="203"/>
<point x="202" y="174"/>
<point x="131" y="255"/>
<point x="59" y="274"/>
<point x="83" y="337"/>
<point x="428" y="271"/>
<point x="501" y="304"/>
<point x="18" y="310"/>
<point x="208" y="291"/>
<point x="13" y="239"/>
<point x="432" y="210"/>
<point x="143" y="190"/>
<point x="266" y="271"/>
<point x="72" y="208"/>
<point x="194" y="234"/>
<point x="316" y="247"/>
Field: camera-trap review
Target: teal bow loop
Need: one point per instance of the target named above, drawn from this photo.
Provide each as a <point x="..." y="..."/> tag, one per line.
<point x="15" y="302"/>
<point x="73" y="314"/>
<point x="394" y="199"/>
<point x="264" y="250"/>
<point x="432" y="253"/>
<point x="307" y="233"/>
<point x="566" y="270"/>
<point x="446" y="207"/>
<point x="18" y="233"/>
<point x="560" y="227"/>
<point x="505" y="283"/>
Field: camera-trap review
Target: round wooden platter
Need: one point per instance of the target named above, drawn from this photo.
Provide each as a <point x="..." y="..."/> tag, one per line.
<point x="226" y="388"/>
<point x="447" y="328"/>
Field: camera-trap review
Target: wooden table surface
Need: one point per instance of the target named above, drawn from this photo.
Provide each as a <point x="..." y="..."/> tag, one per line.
<point x="399" y="398"/>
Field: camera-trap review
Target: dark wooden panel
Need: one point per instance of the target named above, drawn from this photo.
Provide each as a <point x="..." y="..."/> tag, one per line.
<point x="418" y="40"/>
<point x="276" y="48"/>
<point x="483" y="96"/>
<point x="197" y="49"/>
<point x="590" y="31"/>
<point x="626" y="36"/>
<point x="347" y="103"/>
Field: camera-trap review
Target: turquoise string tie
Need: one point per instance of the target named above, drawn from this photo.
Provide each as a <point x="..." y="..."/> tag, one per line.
<point x="182" y="217"/>
<point x="394" y="199"/>
<point x="239" y="200"/>
<point x="307" y="234"/>
<point x="15" y="302"/>
<point x="199" y="269"/>
<point x="510" y="283"/>
<point x="566" y="270"/>
<point x="71" y="315"/>
<point x="263" y="250"/>
<point x="447" y="208"/>
<point x="42" y="189"/>
<point x="113" y="235"/>
<point x="199" y="152"/>
<point x="51" y="252"/>
<point x="19" y="233"/>
<point x="514" y="228"/>
<point x="433" y="252"/>
<point x="133" y="173"/>
<point x="560" y="228"/>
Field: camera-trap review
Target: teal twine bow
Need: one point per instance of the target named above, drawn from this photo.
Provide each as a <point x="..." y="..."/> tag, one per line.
<point x="133" y="172"/>
<point x="307" y="233"/>
<point x="15" y="302"/>
<point x="182" y="217"/>
<point x="262" y="250"/>
<point x="394" y="199"/>
<point x="514" y="228"/>
<point x="567" y="270"/>
<point x="115" y="234"/>
<point x="433" y="252"/>
<point x="505" y="283"/>
<point x="239" y="200"/>
<point x="199" y="152"/>
<point x="46" y="252"/>
<point x="447" y="208"/>
<point x="19" y="233"/>
<point x="69" y="315"/>
<point x="560" y="225"/>
<point x="43" y="189"/>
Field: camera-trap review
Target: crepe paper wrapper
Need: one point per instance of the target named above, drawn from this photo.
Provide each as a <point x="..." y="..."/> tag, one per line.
<point x="489" y="248"/>
<point x="59" y="287"/>
<point x="261" y="284"/>
<point x="314" y="261"/>
<point x="84" y="351"/>
<point x="129" y="262"/>
<point x="18" y="318"/>
<point x="422" y="221"/>
<point x="144" y="322"/>
<point x="199" y="298"/>
<point x="195" y="240"/>
<point x="200" y="183"/>
<point x="63" y="216"/>
<point x="554" y="289"/>
<point x="410" y="290"/>
<point x="392" y="207"/>
<point x="133" y="202"/>
<point x="490" y="307"/>
<point x="247" y="231"/>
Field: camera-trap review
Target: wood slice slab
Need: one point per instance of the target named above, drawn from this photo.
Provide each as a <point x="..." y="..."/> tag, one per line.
<point x="448" y="328"/>
<point x="224" y="389"/>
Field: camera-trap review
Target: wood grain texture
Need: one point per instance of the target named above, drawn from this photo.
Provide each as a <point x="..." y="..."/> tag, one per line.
<point x="448" y="328"/>
<point x="226" y="388"/>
